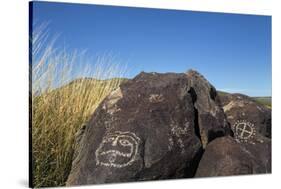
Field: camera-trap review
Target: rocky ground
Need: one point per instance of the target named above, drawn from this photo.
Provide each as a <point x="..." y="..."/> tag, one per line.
<point x="165" y="126"/>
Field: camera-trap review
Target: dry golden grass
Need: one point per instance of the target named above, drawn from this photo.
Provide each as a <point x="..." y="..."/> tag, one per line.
<point x="61" y="104"/>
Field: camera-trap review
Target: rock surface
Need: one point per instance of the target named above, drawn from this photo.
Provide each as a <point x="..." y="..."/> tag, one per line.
<point x="242" y="110"/>
<point x="153" y="127"/>
<point x="225" y="156"/>
<point x="251" y="125"/>
<point x="211" y="118"/>
<point x="249" y="152"/>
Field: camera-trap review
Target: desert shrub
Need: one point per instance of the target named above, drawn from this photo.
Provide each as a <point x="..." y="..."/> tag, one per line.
<point x="66" y="89"/>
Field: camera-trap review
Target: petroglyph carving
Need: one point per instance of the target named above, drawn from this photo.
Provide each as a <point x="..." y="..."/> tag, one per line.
<point x="233" y="104"/>
<point x="260" y="109"/>
<point x="154" y="98"/>
<point x="111" y="104"/>
<point x="178" y="133"/>
<point x="171" y="144"/>
<point x="243" y="130"/>
<point x="230" y="117"/>
<point x="118" y="149"/>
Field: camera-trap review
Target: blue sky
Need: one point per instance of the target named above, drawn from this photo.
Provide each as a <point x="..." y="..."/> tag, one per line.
<point x="232" y="51"/>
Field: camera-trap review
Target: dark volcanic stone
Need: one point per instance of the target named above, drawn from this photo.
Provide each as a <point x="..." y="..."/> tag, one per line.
<point x="211" y="118"/>
<point x="241" y="109"/>
<point x="251" y="124"/>
<point x="225" y="156"/>
<point x="150" y="128"/>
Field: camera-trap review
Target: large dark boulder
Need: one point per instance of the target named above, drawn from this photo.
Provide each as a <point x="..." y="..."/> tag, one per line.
<point x="249" y="152"/>
<point x="153" y="127"/>
<point x="225" y="157"/>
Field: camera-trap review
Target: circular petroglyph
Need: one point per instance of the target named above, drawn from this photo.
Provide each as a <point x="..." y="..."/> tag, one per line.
<point x="243" y="130"/>
<point x="118" y="149"/>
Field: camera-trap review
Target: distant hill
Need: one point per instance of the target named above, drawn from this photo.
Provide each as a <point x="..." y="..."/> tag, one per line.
<point x="85" y="83"/>
<point x="266" y="100"/>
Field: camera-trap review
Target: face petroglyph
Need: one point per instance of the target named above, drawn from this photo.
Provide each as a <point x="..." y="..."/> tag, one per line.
<point x="243" y="130"/>
<point x="118" y="149"/>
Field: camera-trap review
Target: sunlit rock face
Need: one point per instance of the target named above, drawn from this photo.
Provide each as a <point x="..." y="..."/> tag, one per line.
<point x="149" y="129"/>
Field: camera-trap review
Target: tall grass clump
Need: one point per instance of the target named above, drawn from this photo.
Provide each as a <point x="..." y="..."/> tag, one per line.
<point x="66" y="89"/>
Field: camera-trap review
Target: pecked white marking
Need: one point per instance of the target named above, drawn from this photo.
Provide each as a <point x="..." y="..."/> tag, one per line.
<point x="125" y="139"/>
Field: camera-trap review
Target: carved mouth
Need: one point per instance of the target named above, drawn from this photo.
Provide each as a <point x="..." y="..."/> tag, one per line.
<point x="112" y="158"/>
<point x="114" y="153"/>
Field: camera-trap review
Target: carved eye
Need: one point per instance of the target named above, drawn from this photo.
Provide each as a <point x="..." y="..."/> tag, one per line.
<point x="124" y="142"/>
<point x="109" y="139"/>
